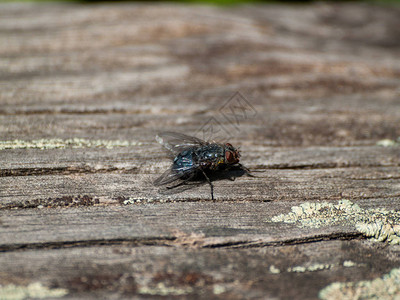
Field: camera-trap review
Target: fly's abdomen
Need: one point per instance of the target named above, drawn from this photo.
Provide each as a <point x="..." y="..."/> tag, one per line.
<point x="184" y="161"/>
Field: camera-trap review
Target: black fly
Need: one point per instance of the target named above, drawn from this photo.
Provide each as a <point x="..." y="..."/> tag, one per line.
<point x="195" y="158"/>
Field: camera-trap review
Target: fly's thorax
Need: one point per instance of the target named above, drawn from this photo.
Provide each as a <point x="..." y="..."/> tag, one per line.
<point x="210" y="155"/>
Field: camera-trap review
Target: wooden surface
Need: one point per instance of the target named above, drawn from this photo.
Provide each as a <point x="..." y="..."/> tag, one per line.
<point x="322" y="82"/>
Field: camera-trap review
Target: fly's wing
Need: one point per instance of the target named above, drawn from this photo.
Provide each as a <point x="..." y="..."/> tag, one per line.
<point x="167" y="177"/>
<point x="177" y="142"/>
<point x="175" y="174"/>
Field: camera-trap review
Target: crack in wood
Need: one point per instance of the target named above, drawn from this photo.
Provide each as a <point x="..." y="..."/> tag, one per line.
<point x="296" y="241"/>
<point x="162" y="241"/>
<point x="77" y="111"/>
<point x="89" y="200"/>
<point x="64" y="171"/>
<point x="321" y="166"/>
<point x="373" y="178"/>
<point x="63" y="201"/>
<point x="173" y="241"/>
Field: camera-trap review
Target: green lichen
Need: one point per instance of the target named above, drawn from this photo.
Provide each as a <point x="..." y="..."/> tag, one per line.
<point x="388" y="142"/>
<point x="34" y="290"/>
<point x="349" y="264"/>
<point x="162" y="290"/>
<point x="218" y="289"/>
<point x="297" y="269"/>
<point x="131" y="200"/>
<point x="378" y="224"/>
<point x="319" y="214"/>
<point x="311" y="268"/>
<point x="385" y="288"/>
<point x="381" y="231"/>
<point x="45" y="144"/>
<point x="274" y="270"/>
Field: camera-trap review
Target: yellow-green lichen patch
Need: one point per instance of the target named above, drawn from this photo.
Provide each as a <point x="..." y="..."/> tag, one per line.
<point x="378" y="224"/>
<point x="385" y="288"/>
<point x="34" y="290"/>
<point x="162" y="290"/>
<point x="274" y="270"/>
<point x="388" y="142"/>
<point x="381" y="231"/>
<point x="131" y="200"/>
<point x="311" y="268"/>
<point x="349" y="264"/>
<point x="45" y="144"/>
<point x="218" y="289"/>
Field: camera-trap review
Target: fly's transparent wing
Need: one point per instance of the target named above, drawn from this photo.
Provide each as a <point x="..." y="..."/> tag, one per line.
<point x="172" y="175"/>
<point x="177" y="142"/>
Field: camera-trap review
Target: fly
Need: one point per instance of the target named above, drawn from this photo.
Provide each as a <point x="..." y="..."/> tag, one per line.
<point x="195" y="158"/>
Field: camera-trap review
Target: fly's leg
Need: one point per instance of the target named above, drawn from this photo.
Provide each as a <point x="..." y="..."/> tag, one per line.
<point x="210" y="183"/>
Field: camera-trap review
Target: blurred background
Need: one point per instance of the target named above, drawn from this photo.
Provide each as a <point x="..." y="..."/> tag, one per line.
<point x="215" y="2"/>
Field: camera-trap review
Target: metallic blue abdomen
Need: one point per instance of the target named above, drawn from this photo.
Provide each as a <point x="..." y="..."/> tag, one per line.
<point x="184" y="160"/>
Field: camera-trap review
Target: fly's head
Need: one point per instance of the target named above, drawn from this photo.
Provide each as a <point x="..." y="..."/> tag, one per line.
<point x="232" y="155"/>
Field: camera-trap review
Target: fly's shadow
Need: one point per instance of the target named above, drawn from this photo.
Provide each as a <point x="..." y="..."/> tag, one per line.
<point x="198" y="180"/>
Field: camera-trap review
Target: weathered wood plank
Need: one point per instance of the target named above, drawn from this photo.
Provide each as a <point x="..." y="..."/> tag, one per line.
<point x="323" y="82"/>
<point x="333" y="127"/>
<point x="149" y="156"/>
<point x="92" y="263"/>
<point x="52" y="177"/>
<point x="210" y="223"/>
<point x="122" y="271"/>
<point x="287" y="185"/>
<point x="141" y="222"/>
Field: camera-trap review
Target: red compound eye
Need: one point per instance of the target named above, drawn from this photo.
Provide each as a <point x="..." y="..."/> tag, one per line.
<point x="228" y="156"/>
<point x="231" y="157"/>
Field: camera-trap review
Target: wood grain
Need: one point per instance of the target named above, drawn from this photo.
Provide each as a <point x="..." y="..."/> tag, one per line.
<point x="321" y="85"/>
